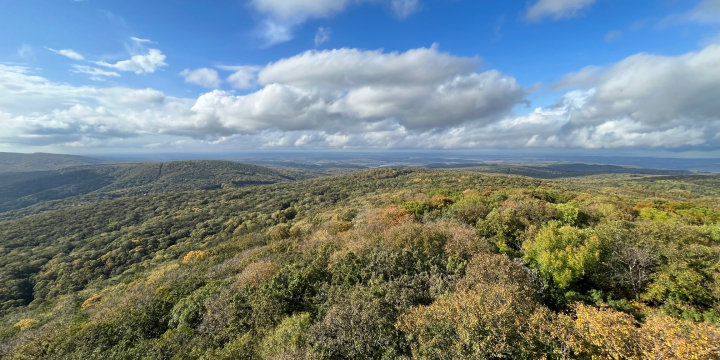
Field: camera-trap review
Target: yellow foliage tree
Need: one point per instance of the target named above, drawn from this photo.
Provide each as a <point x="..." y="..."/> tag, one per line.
<point x="603" y="333"/>
<point x="25" y="324"/>
<point x="491" y="315"/>
<point x="194" y="256"/>
<point x="91" y="301"/>
<point x="388" y="217"/>
<point x="255" y="273"/>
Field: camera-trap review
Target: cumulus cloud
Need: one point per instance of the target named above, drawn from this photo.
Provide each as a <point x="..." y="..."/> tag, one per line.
<point x="557" y="9"/>
<point x="419" y="90"/>
<point x="142" y="61"/>
<point x="207" y="78"/>
<point x="653" y="89"/>
<point x="353" y="68"/>
<point x="40" y="112"/>
<point x="554" y="127"/>
<point x="139" y="64"/>
<point x="644" y="101"/>
<point x="243" y="77"/>
<point x="476" y="97"/>
<point x="68" y="53"/>
<point x="348" y="98"/>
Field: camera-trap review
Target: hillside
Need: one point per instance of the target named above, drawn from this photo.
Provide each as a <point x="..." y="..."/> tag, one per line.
<point x="16" y="162"/>
<point x="102" y="182"/>
<point x="381" y="264"/>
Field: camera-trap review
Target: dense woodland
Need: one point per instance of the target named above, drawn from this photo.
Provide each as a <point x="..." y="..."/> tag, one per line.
<point x="557" y="170"/>
<point x="380" y="264"/>
<point x="102" y="182"/>
<point x="15" y="162"/>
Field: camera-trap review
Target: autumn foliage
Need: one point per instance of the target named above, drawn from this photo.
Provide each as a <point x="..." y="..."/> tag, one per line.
<point x="388" y="264"/>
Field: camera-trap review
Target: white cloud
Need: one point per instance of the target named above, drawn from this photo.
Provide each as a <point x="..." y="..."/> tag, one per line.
<point x="644" y="100"/>
<point x="68" y="53"/>
<point x="139" y="64"/>
<point x="322" y="36"/>
<point x="432" y="90"/>
<point x="708" y="11"/>
<point x="477" y="97"/>
<point x="275" y="32"/>
<point x="24" y="94"/>
<point x="653" y="89"/>
<point x="95" y="73"/>
<point x="142" y="41"/>
<point x="204" y="77"/>
<point x="299" y="10"/>
<point x="557" y="9"/>
<point x="353" y="68"/>
<point x="585" y="78"/>
<point x="45" y="113"/>
<point x="349" y="98"/>
<point x="404" y="8"/>
<point x="243" y="77"/>
<point x="282" y="16"/>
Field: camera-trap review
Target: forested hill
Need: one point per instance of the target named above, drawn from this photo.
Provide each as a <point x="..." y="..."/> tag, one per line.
<point x="381" y="264"/>
<point x="559" y="170"/>
<point x="102" y="182"/>
<point x="16" y="162"/>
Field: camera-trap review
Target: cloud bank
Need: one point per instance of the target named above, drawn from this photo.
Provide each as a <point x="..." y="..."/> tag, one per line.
<point x="350" y="98"/>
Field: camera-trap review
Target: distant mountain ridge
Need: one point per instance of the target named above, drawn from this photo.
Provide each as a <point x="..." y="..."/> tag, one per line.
<point x="16" y="162"/>
<point x="558" y="170"/>
<point x="103" y="182"/>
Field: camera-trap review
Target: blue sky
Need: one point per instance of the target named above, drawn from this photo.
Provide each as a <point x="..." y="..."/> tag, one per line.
<point x="562" y="75"/>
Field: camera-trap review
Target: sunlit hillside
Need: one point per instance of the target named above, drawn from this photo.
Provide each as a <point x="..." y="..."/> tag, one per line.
<point x="381" y="264"/>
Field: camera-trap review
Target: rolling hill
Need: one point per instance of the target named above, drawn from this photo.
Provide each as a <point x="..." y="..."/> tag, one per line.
<point x="558" y="170"/>
<point x="16" y="162"/>
<point x="102" y="182"/>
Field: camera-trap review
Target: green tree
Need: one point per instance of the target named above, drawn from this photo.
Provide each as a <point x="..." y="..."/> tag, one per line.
<point x="563" y="254"/>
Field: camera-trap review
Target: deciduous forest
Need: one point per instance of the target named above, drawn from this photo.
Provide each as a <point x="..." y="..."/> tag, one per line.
<point x="377" y="264"/>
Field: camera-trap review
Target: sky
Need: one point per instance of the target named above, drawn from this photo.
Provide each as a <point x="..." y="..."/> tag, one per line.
<point x="563" y="76"/>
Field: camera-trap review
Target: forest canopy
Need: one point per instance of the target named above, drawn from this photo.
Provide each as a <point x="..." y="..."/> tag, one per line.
<point x="380" y="264"/>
